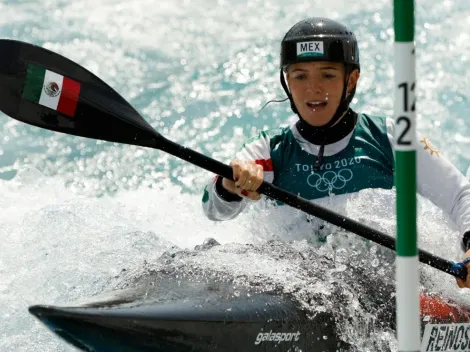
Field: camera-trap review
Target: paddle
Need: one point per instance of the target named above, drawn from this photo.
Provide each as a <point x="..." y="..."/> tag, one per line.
<point x="83" y="105"/>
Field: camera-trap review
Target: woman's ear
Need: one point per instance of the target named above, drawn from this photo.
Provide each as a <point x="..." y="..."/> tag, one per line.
<point x="353" y="78"/>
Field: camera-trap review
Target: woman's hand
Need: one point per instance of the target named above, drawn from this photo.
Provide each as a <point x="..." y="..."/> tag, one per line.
<point x="248" y="177"/>
<point x="466" y="282"/>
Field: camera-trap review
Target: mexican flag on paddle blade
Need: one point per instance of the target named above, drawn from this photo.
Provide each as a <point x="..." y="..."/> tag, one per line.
<point x="50" y="89"/>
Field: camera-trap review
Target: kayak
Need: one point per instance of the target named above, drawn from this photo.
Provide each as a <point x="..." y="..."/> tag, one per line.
<point x="250" y="324"/>
<point x="218" y="318"/>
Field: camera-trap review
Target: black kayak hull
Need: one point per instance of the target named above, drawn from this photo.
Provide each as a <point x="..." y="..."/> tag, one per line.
<point x="261" y="323"/>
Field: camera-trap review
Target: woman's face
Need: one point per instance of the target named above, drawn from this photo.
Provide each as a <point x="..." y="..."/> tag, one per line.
<point x="316" y="88"/>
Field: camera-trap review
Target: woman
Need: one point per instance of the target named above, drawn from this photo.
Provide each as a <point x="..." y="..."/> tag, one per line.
<point x="331" y="150"/>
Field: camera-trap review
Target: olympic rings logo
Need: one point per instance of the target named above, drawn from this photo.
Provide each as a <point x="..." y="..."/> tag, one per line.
<point x="330" y="180"/>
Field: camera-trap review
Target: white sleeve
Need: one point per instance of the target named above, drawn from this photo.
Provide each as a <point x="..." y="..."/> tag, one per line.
<point x="440" y="181"/>
<point x="217" y="208"/>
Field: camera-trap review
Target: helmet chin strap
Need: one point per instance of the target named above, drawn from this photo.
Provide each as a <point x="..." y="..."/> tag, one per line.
<point x="342" y="108"/>
<point x="284" y="85"/>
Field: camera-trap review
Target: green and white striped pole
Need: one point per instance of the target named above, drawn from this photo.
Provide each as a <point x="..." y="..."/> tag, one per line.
<point x="407" y="276"/>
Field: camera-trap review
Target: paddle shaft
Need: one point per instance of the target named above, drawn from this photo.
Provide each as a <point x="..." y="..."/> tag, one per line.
<point x="306" y="206"/>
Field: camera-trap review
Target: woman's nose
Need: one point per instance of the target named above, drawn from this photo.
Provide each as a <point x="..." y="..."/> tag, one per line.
<point x="314" y="87"/>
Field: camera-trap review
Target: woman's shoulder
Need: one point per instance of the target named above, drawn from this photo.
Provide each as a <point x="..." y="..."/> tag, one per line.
<point x="272" y="135"/>
<point x="365" y="117"/>
<point x="376" y="123"/>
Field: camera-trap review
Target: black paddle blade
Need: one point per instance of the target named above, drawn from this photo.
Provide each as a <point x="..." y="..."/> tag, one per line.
<point x="45" y="89"/>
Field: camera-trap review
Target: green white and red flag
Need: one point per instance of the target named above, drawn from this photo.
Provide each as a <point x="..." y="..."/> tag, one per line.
<point x="51" y="89"/>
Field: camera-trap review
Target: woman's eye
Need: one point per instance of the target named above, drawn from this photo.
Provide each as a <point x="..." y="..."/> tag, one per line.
<point x="300" y="76"/>
<point x="329" y="75"/>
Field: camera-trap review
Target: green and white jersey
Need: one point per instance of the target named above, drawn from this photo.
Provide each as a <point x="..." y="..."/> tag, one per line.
<point x="361" y="160"/>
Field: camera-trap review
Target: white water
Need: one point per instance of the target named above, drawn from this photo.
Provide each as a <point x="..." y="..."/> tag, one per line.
<point x="59" y="247"/>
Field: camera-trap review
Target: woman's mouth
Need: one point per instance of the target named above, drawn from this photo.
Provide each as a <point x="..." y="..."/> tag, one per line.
<point x="316" y="105"/>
